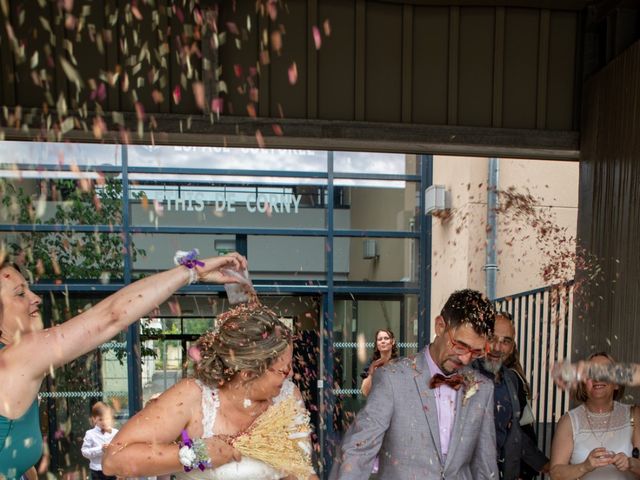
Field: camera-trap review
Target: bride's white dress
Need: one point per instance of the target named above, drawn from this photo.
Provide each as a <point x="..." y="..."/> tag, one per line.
<point x="247" y="468"/>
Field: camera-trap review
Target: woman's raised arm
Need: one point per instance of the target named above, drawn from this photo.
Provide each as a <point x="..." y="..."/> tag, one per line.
<point x="24" y="362"/>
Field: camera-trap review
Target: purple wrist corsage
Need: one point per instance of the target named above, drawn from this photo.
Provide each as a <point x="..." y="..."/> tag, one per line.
<point x="188" y="259"/>
<point x="193" y="453"/>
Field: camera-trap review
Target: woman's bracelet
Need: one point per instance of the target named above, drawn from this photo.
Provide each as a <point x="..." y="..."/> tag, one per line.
<point x="190" y="260"/>
<point x="193" y="453"/>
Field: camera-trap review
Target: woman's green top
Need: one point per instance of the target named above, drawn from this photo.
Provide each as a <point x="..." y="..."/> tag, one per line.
<point x="20" y="442"/>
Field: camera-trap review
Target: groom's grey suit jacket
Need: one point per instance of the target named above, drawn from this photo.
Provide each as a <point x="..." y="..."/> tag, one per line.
<point x="400" y="423"/>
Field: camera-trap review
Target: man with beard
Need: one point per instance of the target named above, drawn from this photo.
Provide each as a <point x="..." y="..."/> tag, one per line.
<point x="512" y="445"/>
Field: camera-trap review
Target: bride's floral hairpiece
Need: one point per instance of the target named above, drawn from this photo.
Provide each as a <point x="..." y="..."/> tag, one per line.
<point x="242" y="310"/>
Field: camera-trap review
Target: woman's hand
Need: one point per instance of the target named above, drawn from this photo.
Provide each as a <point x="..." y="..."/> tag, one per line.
<point x="211" y="271"/>
<point x="621" y="462"/>
<point x="375" y="365"/>
<point x="220" y="451"/>
<point x="598" y="457"/>
<point x="568" y="375"/>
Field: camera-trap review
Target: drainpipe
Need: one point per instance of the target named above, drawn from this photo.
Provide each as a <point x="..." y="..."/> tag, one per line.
<point x="491" y="264"/>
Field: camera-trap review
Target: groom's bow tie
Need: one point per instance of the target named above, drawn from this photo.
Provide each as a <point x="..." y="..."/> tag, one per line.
<point x="454" y="381"/>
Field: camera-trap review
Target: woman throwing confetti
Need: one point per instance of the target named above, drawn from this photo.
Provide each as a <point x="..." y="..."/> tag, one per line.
<point x="28" y="352"/>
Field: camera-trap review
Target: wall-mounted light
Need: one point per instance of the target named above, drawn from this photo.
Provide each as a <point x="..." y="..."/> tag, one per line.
<point x="370" y="249"/>
<point x="436" y="200"/>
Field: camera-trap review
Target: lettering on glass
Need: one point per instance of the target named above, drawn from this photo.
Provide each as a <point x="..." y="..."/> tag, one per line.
<point x="275" y="203"/>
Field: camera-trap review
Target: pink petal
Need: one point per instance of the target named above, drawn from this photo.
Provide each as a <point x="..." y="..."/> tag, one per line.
<point x="195" y="354"/>
<point x="177" y="94"/>
<point x="217" y="104"/>
<point x="198" y="93"/>
<point x="259" y="139"/>
<point x="293" y="74"/>
<point x="317" y="39"/>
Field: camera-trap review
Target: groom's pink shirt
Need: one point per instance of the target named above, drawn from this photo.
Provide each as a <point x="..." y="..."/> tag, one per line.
<point x="446" y="404"/>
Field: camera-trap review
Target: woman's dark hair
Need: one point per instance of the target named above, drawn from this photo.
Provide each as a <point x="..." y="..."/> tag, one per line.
<point x="469" y="307"/>
<point x="581" y="390"/>
<point x="394" y="348"/>
<point x="249" y="338"/>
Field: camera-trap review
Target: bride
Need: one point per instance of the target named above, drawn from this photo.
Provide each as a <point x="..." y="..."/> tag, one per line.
<point x="240" y="370"/>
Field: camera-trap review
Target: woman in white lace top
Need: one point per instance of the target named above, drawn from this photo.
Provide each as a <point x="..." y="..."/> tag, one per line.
<point x="240" y="370"/>
<point x="595" y="440"/>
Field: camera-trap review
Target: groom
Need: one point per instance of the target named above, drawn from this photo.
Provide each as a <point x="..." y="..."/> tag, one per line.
<point x="430" y="417"/>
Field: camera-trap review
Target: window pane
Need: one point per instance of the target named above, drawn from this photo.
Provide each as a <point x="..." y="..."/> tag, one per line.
<point x="51" y="154"/>
<point x="373" y="259"/>
<point x="356" y="321"/>
<point x="390" y="205"/>
<point x="227" y="158"/>
<point x="285" y="257"/>
<point x="371" y="162"/>
<point x="67" y="256"/>
<point x="81" y="199"/>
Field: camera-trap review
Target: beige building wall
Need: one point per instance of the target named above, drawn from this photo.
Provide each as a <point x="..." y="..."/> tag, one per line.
<point x="459" y="243"/>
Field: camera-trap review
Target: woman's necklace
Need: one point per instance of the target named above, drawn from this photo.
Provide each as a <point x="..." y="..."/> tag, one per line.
<point x="599" y="438"/>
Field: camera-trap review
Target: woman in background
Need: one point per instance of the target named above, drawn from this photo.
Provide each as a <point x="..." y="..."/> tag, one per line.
<point x="385" y="349"/>
<point x="595" y="440"/>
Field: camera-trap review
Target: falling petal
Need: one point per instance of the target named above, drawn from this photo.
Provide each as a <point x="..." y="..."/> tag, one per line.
<point x="259" y="139"/>
<point x="34" y="60"/>
<point x="71" y="73"/>
<point x="276" y="41"/>
<point x="136" y="12"/>
<point x="327" y="28"/>
<point x="317" y="39"/>
<point x="177" y="94"/>
<point x="361" y="348"/>
<point x="158" y="208"/>
<point x="41" y="205"/>
<point x="198" y="93"/>
<point x="195" y="354"/>
<point x="217" y="104"/>
<point x="293" y="74"/>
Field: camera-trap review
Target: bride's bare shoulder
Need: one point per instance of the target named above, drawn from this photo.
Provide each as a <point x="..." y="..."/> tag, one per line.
<point x="187" y="389"/>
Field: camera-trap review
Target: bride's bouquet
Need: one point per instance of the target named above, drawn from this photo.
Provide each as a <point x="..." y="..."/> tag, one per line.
<point x="281" y="438"/>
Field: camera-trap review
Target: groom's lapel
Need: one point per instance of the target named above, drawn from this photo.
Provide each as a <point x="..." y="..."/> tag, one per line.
<point x="423" y="375"/>
<point x="458" y="423"/>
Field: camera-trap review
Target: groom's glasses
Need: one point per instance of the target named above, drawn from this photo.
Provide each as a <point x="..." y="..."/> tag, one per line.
<point x="460" y="348"/>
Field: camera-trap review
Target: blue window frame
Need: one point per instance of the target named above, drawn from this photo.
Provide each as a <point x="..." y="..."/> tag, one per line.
<point x="331" y="196"/>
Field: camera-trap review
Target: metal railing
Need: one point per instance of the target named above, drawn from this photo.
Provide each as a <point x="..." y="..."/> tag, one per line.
<point x="543" y="321"/>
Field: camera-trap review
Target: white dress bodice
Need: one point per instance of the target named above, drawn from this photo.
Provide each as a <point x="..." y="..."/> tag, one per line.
<point x="612" y="430"/>
<point x="247" y="468"/>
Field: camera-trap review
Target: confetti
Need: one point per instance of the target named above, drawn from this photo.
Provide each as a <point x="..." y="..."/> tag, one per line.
<point x="293" y="73"/>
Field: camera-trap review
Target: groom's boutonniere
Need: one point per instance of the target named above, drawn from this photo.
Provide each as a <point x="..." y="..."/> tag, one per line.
<point x="471" y="385"/>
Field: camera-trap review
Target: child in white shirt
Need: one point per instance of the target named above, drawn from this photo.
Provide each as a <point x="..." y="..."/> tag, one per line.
<point x="98" y="438"/>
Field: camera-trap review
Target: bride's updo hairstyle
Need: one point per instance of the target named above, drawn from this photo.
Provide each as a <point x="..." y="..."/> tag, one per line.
<point x="249" y="337"/>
